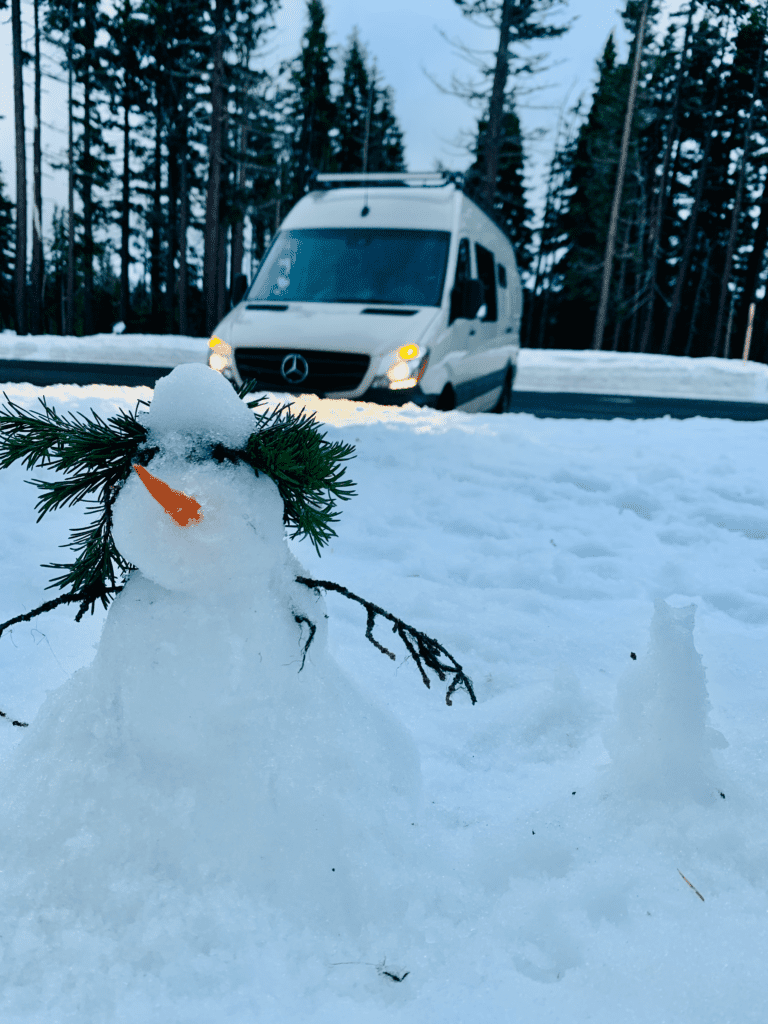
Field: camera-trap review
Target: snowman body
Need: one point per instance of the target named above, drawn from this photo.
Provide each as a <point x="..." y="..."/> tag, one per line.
<point x="207" y="747"/>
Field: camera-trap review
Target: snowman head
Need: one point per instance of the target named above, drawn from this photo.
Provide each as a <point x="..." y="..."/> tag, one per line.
<point x="189" y="522"/>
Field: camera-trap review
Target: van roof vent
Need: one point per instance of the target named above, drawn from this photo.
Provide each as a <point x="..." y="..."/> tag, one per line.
<point x="423" y="179"/>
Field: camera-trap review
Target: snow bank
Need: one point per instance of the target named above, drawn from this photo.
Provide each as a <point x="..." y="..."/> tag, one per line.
<point x="115" y="349"/>
<point x="631" y="373"/>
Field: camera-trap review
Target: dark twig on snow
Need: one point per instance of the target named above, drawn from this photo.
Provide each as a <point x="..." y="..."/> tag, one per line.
<point x="22" y="725"/>
<point x="425" y="651"/>
<point x="83" y="599"/>
<point x="312" y="631"/>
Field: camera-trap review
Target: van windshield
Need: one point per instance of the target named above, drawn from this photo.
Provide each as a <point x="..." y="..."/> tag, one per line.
<point x="371" y="265"/>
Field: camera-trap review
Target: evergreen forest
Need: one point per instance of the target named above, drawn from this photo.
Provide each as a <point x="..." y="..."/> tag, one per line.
<point x="187" y="147"/>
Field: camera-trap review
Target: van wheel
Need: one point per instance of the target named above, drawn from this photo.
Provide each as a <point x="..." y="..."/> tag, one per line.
<point x="504" y="403"/>
<point x="446" y="400"/>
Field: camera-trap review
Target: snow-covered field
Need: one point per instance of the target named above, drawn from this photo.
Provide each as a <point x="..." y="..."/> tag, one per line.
<point x="558" y="814"/>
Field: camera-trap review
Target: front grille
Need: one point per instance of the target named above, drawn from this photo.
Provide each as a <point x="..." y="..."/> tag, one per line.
<point x="328" y="371"/>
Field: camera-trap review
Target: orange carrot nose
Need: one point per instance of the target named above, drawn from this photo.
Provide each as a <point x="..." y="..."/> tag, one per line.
<point x="182" y="509"/>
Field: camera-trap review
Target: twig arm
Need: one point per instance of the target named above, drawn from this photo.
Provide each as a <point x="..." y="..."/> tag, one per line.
<point x="424" y="650"/>
<point x="48" y="606"/>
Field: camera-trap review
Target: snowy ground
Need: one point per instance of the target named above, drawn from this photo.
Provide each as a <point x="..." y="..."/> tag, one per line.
<point x="563" y="807"/>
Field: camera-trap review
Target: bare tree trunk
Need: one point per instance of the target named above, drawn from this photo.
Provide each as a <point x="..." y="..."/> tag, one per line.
<point x="183" y="227"/>
<point x="542" y="241"/>
<point x="20" y="274"/>
<point x="172" y="220"/>
<point x="619" y="319"/>
<point x="756" y="257"/>
<point x="610" y="244"/>
<point x="36" y="269"/>
<point x="221" y="275"/>
<point x="155" y="244"/>
<point x="125" y="215"/>
<point x="367" y="137"/>
<point x="493" y="135"/>
<point x="238" y="228"/>
<point x="213" y="193"/>
<point x="697" y="300"/>
<point x="736" y="212"/>
<point x="69" y="328"/>
<point x="279" y="199"/>
<point x="660" y="204"/>
<point x="690" y="239"/>
<point x="87" y="175"/>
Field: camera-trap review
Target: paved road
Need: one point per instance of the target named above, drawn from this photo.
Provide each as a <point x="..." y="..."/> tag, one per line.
<point x="560" y="405"/>
<point x="568" y="405"/>
<point x="18" y="371"/>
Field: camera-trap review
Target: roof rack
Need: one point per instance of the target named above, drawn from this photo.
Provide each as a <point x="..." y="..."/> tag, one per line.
<point x="425" y="179"/>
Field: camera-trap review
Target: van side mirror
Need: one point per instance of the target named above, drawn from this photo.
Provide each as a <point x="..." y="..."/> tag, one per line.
<point x="466" y="299"/>
<point x="239" y="288"/>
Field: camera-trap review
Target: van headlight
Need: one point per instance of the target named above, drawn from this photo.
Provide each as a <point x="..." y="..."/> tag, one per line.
<point x="220" y="357"/>
<point x="402" y="368"/>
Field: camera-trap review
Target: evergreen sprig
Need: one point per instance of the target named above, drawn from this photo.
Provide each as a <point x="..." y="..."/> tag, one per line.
<point x="308" y="470"/>
<point x="95" y="457"/>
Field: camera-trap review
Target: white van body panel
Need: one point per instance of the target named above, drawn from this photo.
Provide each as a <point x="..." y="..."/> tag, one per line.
<point x="468" y="359"/>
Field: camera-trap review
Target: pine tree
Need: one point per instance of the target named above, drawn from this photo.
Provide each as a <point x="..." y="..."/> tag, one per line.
<point x="591" y="178"/>
<point x="385" y="139"/>
<point x="93" y="170"/>
<point x="510" y="209"/>
<point x="311" y="112"/>
<point x="517" y="22"/>
<point x="369" y="136"/>
<point x="352" y="107"/>
<point x="128" y="95"/>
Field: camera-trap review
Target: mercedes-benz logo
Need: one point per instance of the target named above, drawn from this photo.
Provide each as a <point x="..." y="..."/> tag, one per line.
<point x="294" y="368"/>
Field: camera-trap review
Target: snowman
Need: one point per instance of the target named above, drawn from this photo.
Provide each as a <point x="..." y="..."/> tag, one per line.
<point x="206" y="745"/>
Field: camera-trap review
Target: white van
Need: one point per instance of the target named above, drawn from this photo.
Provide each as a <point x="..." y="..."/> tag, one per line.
<point x="390" y="288"/>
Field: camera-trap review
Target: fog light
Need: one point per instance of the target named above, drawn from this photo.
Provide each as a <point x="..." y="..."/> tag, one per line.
<point x="218" y="362"/>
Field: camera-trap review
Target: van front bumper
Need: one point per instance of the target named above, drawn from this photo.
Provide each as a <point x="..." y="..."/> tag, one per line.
<point x="385" y="396"/>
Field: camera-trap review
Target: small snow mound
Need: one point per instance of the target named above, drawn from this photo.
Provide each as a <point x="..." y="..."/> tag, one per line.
<point x="196" y="401"/>
<point x="660" y="744"/>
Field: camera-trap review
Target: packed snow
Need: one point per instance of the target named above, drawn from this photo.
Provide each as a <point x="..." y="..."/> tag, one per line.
<point x="587" y="843"/>
<point x="116" y="348"/>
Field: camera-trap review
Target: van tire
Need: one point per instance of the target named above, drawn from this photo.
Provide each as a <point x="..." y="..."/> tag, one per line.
<point x="446" y="400"/>
<point x="504" y="403"/>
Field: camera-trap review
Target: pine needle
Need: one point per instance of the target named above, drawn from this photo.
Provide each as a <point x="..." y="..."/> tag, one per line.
<point x="692" y="886"/>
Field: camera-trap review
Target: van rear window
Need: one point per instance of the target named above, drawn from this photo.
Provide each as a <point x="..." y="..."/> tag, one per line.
<point x="369" y="265"/>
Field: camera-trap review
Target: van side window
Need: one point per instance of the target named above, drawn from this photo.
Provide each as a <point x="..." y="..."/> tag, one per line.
<point x="463" y="273"/>
<point x="486" y="273"/>
<point x="502" y="272"/>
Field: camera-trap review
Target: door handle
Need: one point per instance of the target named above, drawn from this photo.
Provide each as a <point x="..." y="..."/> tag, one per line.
<point x="472" y="331"/>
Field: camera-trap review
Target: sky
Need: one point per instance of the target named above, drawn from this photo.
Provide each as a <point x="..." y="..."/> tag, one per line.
<point x="408" y="42"/>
